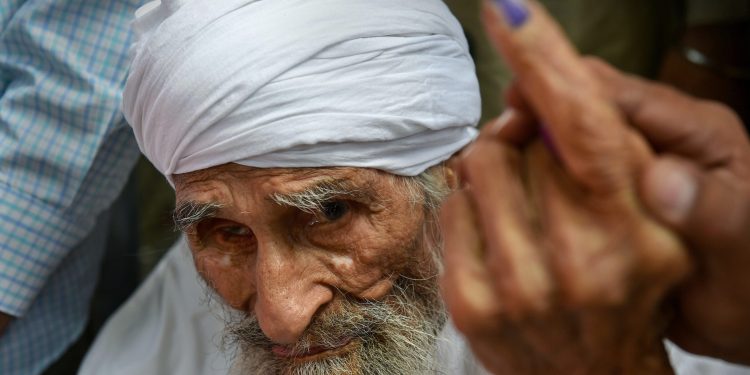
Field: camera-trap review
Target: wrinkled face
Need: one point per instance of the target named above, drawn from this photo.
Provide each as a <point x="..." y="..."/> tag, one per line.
<point x="330" y="270"/>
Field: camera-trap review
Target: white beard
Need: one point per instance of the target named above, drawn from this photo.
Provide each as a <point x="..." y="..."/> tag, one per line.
<point x="395" y="336"/>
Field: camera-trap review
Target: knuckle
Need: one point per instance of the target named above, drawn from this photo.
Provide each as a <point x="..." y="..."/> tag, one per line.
<point x="529" y="293"/>
<point x="596" y="174"/>
<point x="607" y="291"/>
<point x="528" y="305"/>
<point x="472" y="303"/>
<point x="664" y="262"/>
<point x="722" y="116"/>
<point x="486" y="155"/>
<point x="591" y="144"/>
<point x="595" y="278"/>
<point x="598" y="66"/>
<point x="718" y="109"/>
<point x="476" y="155"/>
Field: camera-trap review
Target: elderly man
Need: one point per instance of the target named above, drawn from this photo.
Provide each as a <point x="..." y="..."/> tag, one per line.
<point x="305" y="141"/>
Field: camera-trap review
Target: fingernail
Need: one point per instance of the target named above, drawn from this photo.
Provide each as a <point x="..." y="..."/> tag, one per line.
<point x="674" y="190"/>
<point x="516" y="12"/>
<point x="547" y="139"/>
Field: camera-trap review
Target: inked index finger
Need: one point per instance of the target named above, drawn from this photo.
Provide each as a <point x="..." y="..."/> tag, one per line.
<point x="588" y="131"/>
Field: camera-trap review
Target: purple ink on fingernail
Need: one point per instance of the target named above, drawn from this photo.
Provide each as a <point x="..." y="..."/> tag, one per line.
<point x="516" y="12"/>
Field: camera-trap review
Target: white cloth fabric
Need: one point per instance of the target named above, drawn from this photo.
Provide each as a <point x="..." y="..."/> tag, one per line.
<point x="386" y="84"/>
<point x="685" y="363"/>
<point x="166" y="328"/>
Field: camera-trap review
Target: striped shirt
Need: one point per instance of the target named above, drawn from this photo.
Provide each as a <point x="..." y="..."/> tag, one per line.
<point x="65" y="153"/>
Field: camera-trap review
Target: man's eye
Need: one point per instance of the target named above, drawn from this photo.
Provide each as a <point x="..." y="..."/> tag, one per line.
<point x="334" y="210"/>
<point x="224" y="234"/>
<point x="236" y="230"/>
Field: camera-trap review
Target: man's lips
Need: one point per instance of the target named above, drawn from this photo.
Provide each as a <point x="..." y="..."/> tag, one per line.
<point x="286" y="352"/>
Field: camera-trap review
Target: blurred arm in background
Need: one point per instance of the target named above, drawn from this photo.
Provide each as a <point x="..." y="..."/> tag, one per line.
<point x="65" y="153"/>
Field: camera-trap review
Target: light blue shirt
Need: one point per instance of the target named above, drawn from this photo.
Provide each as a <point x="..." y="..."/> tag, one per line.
<point x="65" y="153"/>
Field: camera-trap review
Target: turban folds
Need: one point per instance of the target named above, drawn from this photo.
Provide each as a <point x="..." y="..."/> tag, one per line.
<point x="386" y="84"/>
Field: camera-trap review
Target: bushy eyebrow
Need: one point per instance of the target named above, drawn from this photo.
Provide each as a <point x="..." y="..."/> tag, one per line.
<point x="188" y="213"/>
<point x="312" y="199"/>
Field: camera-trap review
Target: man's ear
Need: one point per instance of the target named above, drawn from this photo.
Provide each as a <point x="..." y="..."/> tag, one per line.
<point x="450" y="173"/>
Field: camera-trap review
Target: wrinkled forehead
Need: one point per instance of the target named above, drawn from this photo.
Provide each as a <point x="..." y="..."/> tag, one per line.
<point x="229" y="181"/>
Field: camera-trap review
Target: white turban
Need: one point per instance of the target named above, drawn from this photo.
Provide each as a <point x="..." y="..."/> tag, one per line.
<point x="386" y="84"/>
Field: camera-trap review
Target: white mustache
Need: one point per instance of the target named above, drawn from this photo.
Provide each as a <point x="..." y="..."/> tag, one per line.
<point x="394" y="336"/>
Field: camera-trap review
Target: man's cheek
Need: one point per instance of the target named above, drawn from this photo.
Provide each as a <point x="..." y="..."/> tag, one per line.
<point x="369" y="272"/>
<point x="367" y="282"/>
<point x="231" y="281"/>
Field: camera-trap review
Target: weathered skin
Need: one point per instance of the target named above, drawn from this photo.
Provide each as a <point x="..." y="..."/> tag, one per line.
<point x="289" y="264"/>
<point x="552" y="264"/>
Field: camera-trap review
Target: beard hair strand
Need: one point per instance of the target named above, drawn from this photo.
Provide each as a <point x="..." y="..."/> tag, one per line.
<point x="396" y="335"/>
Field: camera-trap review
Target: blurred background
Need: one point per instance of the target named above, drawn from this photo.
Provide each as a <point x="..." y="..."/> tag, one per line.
<point x="699" y="46"/>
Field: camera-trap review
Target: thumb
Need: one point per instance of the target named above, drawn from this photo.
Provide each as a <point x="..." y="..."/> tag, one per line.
<point x="705" y="208"/>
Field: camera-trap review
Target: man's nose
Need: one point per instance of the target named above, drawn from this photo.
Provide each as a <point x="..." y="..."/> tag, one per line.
<point x="288" y="294"/>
